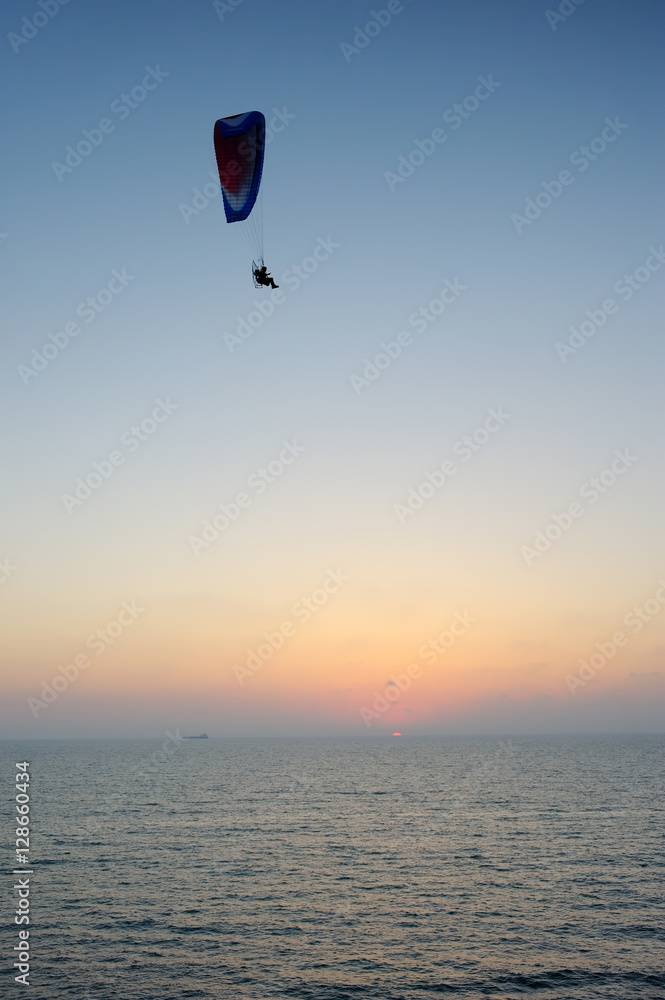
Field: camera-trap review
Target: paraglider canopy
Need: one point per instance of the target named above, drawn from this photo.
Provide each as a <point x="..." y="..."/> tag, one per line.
<point x="239" y="146"/>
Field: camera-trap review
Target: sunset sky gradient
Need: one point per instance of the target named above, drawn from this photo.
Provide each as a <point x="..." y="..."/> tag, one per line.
<point x="357" y="449"/>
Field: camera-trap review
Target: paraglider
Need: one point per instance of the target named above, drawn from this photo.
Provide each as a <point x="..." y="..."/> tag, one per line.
<point x="262" y="276"/>
<point x="239" y="147"/>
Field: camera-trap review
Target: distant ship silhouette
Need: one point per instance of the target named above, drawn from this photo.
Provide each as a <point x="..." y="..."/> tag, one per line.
<point x="203" y="736"/>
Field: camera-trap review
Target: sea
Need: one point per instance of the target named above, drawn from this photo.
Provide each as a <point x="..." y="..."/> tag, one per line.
<point x="386" y="868"/>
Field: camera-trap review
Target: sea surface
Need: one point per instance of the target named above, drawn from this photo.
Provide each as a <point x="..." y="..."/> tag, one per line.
<point x="386" y="868"/>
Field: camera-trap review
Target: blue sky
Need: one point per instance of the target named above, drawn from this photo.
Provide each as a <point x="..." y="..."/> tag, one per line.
<point x="349" y="120"/>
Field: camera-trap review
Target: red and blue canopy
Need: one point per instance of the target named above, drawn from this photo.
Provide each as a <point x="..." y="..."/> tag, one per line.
<point x="239" y="146"/>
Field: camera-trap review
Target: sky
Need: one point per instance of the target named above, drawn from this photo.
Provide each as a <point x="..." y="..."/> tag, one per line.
<point x="418" y="490"/>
